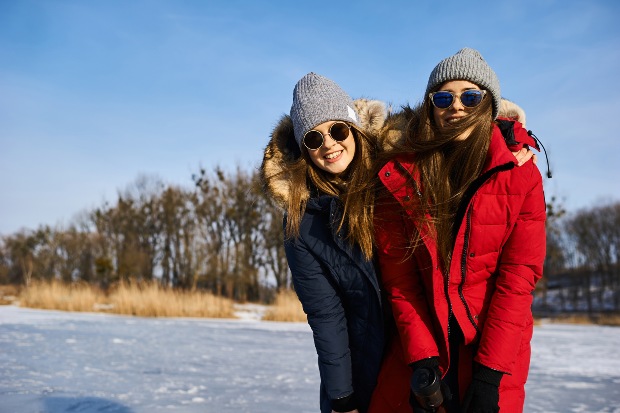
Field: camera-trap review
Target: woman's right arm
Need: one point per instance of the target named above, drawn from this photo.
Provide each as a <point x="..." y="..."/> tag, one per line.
<point x="321" y="303"/>
<point x="403" y="285"/>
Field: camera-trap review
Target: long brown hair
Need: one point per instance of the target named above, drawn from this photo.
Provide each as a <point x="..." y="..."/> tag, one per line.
<point x="354" y="187"/>
<point x="447" y="167"/>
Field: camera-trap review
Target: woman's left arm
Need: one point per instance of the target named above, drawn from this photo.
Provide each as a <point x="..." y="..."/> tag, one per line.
<point x="520" y="267"/>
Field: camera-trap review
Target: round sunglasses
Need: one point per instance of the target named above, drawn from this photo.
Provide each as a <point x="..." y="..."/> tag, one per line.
<point x="444" y="99"/>
<point x="313" y="139"/>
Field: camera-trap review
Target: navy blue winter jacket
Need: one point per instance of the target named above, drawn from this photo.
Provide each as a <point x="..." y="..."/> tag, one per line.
<point x="339" y="291"/>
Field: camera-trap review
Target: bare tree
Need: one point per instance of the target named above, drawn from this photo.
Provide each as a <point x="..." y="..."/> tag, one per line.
<point x="555" y="259"/>
<point x="595" y="234"/>
<point x="273" y="243"/>
<point x="208" y="200"/>
<point x="179" y="263"/>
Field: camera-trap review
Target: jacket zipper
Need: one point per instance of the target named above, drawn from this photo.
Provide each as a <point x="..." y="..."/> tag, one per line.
<point x="464" y="269"/>
<point x="446" y="276"/>
<point x="446" y="291"/>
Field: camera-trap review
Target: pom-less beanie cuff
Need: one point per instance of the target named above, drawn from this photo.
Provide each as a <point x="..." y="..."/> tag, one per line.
<point x="467" y="64"/>
<point x="317" y="99"/>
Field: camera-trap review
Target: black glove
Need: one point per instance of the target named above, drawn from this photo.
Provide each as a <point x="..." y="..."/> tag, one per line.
<point x="431" y="365"/>
<point x="483" y="393"/>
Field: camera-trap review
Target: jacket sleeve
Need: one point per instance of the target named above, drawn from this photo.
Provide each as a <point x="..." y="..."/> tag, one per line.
<point x="326" y="317"/>
<point x="520" y="267"/>
<point x="403" y="285"/>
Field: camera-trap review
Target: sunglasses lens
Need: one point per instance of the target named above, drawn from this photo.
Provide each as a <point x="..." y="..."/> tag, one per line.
<point x="471" y="98"/>
<point x="339" y="131"/>
<point x="313" y="140"/>
<point x="442" y="100"/>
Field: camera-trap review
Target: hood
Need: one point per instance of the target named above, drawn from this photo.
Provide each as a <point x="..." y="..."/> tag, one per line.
<point x="282" y="151"/>
<point x="512" y="111"/>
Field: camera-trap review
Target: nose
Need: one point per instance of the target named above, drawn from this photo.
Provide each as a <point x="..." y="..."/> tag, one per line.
<point x="457" y="104"/>
<point x="328" y="143"/>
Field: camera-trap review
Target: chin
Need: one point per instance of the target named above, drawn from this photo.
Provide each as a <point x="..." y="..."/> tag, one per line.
<point x="337" y="171"/>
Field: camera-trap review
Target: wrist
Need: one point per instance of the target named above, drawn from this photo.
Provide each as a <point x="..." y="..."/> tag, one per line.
<point x="431" y="362"/>
<point x="487" y="375"/>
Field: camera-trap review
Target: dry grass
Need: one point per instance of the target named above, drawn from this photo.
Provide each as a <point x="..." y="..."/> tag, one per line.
<point x="57" y="296"/>
<point x="154" y="301"/>
<point x="146" y="300"/>
<point x="286" y="308"/>
<point x="599" y="319"/>
<point x="8" y="294"/>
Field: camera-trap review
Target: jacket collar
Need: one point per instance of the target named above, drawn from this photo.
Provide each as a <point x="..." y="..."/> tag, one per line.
<point x="498" y="153"/>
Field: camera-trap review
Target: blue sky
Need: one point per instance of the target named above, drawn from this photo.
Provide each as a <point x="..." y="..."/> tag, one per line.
<point x="94" y="94"/>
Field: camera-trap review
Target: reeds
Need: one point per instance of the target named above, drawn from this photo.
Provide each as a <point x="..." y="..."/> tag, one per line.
<point x="603" y="319"/>
<point x="151" y="300"/>
<point x="286" y="308"/>
<point x="8" y="294"/>
<point x="144" y="299"/>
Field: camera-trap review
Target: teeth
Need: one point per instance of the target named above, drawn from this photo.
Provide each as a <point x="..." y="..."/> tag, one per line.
<point x="333" y="155"/>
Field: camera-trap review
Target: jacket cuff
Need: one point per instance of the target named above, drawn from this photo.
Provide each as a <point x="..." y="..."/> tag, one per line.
<point x="488" y="375"/>
<point x="344" y="404"/>
<point x="431" y="362"/>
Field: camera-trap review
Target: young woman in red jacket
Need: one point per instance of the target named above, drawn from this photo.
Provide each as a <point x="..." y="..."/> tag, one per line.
<point x="461" y="242"/>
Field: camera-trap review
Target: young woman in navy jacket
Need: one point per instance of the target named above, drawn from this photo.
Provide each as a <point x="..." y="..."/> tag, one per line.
<point x="318" y="168"/>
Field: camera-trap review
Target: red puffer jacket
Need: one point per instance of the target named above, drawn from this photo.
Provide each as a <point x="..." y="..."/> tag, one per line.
<point x="496" y="261"/>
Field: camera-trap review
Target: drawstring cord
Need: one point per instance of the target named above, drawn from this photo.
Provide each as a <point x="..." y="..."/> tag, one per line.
<point x="529" y="132"/>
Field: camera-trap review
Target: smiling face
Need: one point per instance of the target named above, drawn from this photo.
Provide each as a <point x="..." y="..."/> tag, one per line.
<point x="333" y="157"/>
<point x="456" y="112"/>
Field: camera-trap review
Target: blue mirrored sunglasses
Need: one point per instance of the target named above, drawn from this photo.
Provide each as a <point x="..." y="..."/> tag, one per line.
<point x="444" y="99"/>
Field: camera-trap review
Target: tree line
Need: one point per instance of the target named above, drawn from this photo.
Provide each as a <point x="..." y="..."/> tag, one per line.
<point x="223" y="235"/>
<point x="582" y="265"/>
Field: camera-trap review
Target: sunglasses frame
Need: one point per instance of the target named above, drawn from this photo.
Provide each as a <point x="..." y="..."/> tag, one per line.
<point x="328" y="133"/>
<point x="454" y="96"/>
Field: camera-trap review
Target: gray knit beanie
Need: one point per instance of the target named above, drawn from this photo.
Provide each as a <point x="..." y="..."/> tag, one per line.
<point x="316" y="99"/>
<point x="467" y="64"/>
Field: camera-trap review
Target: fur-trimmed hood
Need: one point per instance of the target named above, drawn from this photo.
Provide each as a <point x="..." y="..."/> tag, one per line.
<point x="282" y="150"/>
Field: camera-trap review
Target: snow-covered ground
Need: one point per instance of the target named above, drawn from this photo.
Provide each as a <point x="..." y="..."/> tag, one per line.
<point x="55" y="362"/>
